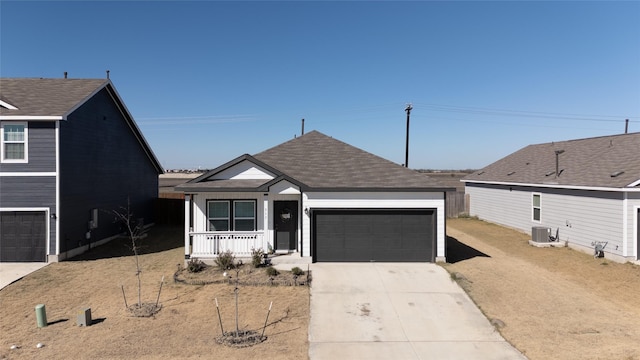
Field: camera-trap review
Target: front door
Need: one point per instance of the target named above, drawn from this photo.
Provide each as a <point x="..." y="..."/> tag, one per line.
<point x="285" y="224"/>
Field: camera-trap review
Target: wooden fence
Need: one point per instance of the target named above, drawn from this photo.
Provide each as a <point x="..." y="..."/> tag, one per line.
<point x="169" y="211"/>
<point x="456" y="204"/>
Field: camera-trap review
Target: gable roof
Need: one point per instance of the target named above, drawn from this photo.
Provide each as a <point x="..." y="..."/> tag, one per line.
<point x="46" y="97"/>
<point x="33" y="99"/>
<point x="315" y="161"/>
<point x="599" y="162"/>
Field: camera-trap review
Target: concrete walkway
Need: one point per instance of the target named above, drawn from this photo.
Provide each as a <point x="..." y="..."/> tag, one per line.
<point x="397" y="311"/>
<point x="11" y="272"/>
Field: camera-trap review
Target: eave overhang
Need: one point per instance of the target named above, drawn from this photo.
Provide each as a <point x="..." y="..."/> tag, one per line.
<point x="556" y="186"/>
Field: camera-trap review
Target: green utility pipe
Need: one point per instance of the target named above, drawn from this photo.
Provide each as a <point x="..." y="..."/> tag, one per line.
<point x="41" y="315"/>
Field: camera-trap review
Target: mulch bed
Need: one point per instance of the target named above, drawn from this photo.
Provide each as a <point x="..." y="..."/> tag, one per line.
<point x="247" y="275"/>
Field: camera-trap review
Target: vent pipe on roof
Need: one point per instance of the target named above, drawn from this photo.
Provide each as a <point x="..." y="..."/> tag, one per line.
<point x="302" y="127"/>
<point x="108" y="71"/>
<point x="626" y="126"/>
<point x="558" y="152"/>
<point x="65" y="74"/>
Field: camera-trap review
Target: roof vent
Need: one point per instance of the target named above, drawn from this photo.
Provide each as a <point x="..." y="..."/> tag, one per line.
<point x="511" y="173"/>
<point x="481" y="172"/>
<point x="550" y="173"/>
<point x="617" y="173"/>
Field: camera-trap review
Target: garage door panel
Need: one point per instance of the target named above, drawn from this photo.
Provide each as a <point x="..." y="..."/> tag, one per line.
<point x="22" y="236"/>
<point x="374" y="235"/>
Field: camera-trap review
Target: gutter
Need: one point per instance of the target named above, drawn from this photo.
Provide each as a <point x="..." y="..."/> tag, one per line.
<point x="556" y="186"/>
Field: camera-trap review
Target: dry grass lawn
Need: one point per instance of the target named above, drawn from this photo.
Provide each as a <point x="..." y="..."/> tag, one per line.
<point x="556" y="303"/>
<point x="185" y="327"/>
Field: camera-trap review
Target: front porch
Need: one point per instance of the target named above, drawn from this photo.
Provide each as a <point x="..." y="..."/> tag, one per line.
<point x="240" y="243"/>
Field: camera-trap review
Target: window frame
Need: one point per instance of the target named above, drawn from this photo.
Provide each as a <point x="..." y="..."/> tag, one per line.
<point x="231" y="219"/>
<point x="4" y="142"/>
<point x="228" y="218"/>
<point x="534" y="207"/>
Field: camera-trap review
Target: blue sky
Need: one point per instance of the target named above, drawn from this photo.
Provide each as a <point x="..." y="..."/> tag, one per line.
<point x="209" y="81"/>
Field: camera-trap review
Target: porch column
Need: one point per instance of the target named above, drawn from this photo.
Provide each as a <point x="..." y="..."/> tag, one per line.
<point x="187" y="249"/>
<point x="267" y="233"/>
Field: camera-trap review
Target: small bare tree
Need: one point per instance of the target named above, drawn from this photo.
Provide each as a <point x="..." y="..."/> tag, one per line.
<point x="135" y="231"/>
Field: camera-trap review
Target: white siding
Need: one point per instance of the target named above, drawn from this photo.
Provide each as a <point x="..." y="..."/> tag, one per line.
<point x="243" y="170"/>
<point x="582" y="217"/>
<point x="354" y="200"/>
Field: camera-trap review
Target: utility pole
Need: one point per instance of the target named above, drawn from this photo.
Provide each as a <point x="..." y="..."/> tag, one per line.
<point x="406" y="155"/>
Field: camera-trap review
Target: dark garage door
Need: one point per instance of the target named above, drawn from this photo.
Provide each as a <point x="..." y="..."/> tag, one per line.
<point x="374" y="235"/>
<point x="23" y="236"/>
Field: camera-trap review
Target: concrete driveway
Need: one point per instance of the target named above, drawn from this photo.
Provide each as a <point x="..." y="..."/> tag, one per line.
<point x="397" y="311"/>
<point x="11" y="272"/>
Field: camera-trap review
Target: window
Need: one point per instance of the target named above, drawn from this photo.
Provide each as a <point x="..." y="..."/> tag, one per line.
<point x="536" y="207"/>
<point x="226" y="215"/>
<point x="218" y="214"/>
<point x="244" y="215"/>
<point x="14" y="142"/>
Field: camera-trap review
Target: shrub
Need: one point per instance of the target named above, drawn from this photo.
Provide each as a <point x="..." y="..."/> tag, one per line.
<point x="271" y="271"/>
<point x="226" y="260"/>
<point x="194" y="265"/>
<point x="297" y="271"/>
<point x="256" y="257"/>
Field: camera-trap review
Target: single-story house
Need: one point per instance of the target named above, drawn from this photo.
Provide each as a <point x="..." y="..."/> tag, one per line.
<point x="319" y="198"/>
<point x="587" y="191"/>
<point x="70" y="152"/>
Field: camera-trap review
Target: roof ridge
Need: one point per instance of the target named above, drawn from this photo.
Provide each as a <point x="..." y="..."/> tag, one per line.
<point x="588" y="138"/>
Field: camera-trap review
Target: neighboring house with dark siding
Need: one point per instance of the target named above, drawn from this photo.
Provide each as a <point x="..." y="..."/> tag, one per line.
<point x="587" y="190"/>
<point x="70" y="152"/>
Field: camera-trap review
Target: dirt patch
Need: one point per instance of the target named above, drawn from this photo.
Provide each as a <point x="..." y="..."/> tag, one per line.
<point x="551" y="303"/>
<point x="187" y="325"/>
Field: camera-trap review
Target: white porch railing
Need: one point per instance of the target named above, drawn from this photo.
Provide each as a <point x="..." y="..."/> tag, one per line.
<point x="212" y="244"/>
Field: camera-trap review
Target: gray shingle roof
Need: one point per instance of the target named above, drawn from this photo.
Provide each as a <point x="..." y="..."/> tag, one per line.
<point x="46" y="97"/>
<point x="584" y="162"/>
<point x="316" y="161"/>
<point x="321" y="162"/>
<point x="58" y="98"/>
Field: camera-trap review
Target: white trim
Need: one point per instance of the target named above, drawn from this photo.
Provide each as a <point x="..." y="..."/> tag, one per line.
<point x="57" y="218"/>
<point x="636" y="230"/>
<point x="625" y="222"/>
<point x="6" y="105"/>
<point x="31" y="117"/>
<point x="187" y="229"/>
<point x="32" y="173"/>
<point x="634" y="184"/>
<point x="533" y="194"/>
<point x="554" y="186"/>
<point x="25" y="141"/>
<point x="46" y="221"/>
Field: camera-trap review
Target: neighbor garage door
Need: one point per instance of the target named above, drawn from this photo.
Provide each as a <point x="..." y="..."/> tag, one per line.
<point x="22" y="236"/>
<point x="374" y="235"/>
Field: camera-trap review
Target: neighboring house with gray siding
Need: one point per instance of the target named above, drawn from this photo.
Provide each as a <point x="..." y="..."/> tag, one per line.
<point x="318" y="198"/>
<point x="588" y="190"/>
<point x="70" y="152"/>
